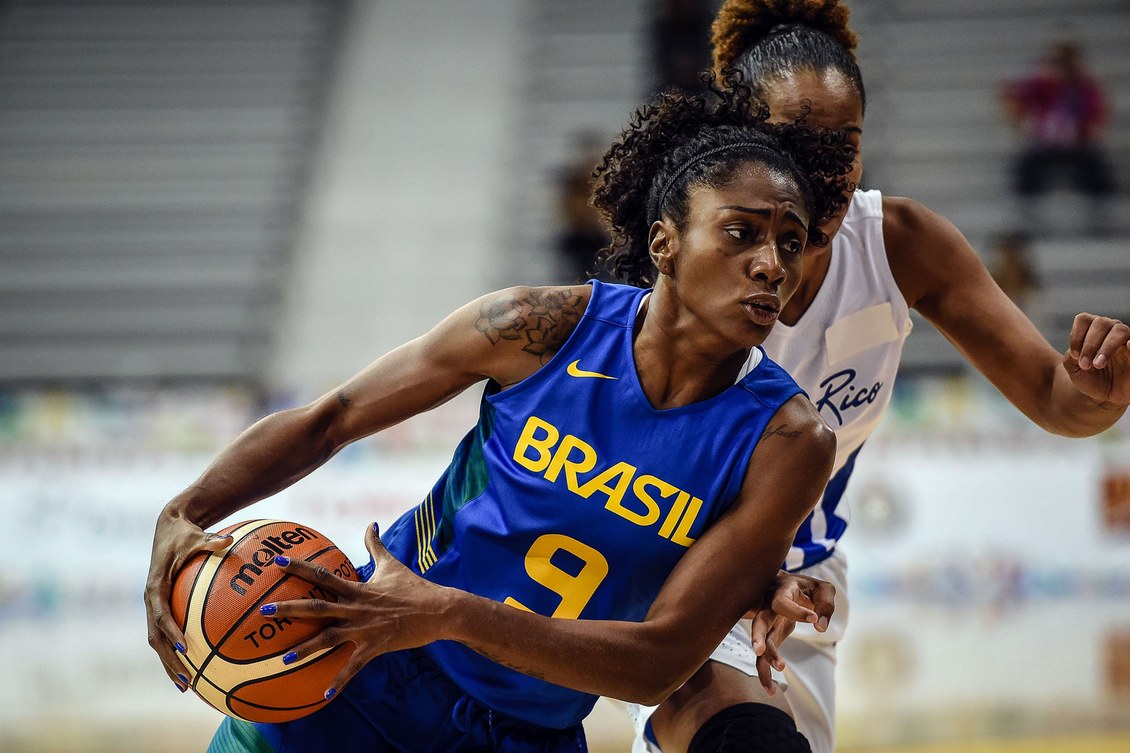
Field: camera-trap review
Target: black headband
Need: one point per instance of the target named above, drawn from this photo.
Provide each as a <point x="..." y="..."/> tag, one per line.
<point x="699" y="158"/>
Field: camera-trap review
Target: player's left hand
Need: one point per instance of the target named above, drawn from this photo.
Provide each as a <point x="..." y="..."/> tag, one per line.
<point x="1098" y="359"/>
<point x="396" y="609"/>
<point x="793" y="598"/>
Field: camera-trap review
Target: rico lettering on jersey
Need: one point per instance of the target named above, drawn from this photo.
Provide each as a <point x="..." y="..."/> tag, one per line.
<point x="265" y="557"/>
<point x="841" y="394"/>
<point x="653" y="502"/>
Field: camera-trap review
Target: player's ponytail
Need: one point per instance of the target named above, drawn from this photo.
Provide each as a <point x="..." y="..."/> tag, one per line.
<point x="771" y="38"/>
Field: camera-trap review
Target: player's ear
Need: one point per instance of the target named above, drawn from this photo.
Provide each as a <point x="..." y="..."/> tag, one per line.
<point x="663" y="246"/>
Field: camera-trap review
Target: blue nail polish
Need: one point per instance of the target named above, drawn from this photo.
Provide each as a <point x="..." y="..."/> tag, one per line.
<point x="377" y="528"/>
<point x="268" y="609"/>
<point x="179" y="647"/>
<point x="290" y="658"/>
<point x="178" y="687"/>
<point x="182" y="678"/>
<point x="330" y="693"/>
<point x="282" y="561"/>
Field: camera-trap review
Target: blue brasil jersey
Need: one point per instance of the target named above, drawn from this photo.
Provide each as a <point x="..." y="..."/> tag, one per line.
<point x="574" y="498"/>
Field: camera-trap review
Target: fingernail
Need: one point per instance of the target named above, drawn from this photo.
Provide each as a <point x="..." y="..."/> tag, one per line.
<point x="330" y="693"/>
<point x="178" y="687"/>
<point x="1100" y="361"/>
<point x="268" y="609"/>
<point x="377" y="528"/>
<point x="1084" y="363"/>
<point x="290" y="658"/>
<point x="822" y="624"/>
<point x="182" y="678"/>
<point x="282" y="561"/>
<point x="179" y="647"/>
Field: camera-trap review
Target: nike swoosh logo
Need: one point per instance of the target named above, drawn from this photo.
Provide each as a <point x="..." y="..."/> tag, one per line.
<point x="574" y="371"/>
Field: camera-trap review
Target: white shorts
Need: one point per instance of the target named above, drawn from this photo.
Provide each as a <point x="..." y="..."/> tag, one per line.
<point x="810" y="662"/>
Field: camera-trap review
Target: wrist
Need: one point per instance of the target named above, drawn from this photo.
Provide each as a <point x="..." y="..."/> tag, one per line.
<point x="177" y="511"/>
<point x="194" y="505"/>
<point x="174" y="510"/>
<point x="449" y="613"/>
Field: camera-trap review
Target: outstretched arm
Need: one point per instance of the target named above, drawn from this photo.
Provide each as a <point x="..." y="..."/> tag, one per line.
<point x="720" y="577"/>
<point x="1078" y="393"/>
<point x="504" y="336"/>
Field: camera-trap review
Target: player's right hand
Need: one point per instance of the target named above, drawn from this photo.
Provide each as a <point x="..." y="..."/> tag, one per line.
<point x="174" y="541"/>
<point x="793" y="598"/>
<point x="394" y="610"/>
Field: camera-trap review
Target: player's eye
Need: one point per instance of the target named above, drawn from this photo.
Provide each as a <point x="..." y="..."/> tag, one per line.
<point x="792" y="245"/>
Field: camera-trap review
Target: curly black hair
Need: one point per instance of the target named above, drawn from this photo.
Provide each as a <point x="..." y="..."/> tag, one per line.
<point x="771" y="38"/>
<point x="686" y="139"/>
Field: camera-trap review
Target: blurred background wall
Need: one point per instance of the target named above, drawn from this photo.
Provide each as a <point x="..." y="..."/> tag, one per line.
<point x="209" y="210"/>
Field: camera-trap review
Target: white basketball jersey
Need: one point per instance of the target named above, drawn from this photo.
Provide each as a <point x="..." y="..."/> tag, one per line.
<point x="844" y="352"/>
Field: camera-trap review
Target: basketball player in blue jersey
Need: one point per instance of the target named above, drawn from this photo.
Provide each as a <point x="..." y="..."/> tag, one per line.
<point x="638" y="470"/>
<point x="841" y="336"/>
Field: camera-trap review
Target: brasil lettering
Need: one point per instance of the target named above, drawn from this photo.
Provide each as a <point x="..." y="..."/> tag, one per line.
<point x="265" y="557"/>
<point x="653" y="502"/>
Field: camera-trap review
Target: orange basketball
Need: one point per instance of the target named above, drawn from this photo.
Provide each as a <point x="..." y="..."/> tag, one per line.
<point x="234" y="654"/>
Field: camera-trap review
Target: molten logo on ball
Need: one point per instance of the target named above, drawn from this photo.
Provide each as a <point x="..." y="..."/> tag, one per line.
<point x="272" y="546"/>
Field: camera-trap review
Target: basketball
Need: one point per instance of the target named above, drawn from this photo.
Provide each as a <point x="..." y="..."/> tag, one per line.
<point x="233" y="653"/>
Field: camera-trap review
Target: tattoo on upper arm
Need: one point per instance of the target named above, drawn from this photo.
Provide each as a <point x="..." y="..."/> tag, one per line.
<point x="541" y="319"/>
<point x="341" y="398"/>
<point x="780" y="430"/>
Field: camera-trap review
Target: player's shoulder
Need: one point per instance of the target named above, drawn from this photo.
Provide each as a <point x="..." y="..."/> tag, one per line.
<point x="553" y="297"/>
<point x="522" y="307"/>
<point x="798" y="422"/>
<point x="866" y="204"/>
<point x="924" y="249"/>
<point x="767" y="382"/>
<point x="911" y="230"/>
<point x="518" y="323"/>
<point x="906" y="218"/>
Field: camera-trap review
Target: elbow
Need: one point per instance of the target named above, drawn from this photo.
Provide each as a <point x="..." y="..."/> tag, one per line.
<point x="329" y="427"/>
<point x="663" y="675"/>
<point x="649" y="692"/>
<point x="1068" y="431"/>
<point x="648" y="699"/>
<point x="1076" y="431"/>
<point x="315" y="426"/>
<point x="657" y="693"/>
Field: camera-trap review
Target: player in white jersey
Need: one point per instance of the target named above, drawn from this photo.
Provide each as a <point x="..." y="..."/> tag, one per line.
<point x="841" y="337"/>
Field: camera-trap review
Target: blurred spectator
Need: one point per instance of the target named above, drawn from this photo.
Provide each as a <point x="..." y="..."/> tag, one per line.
<point x="1012" y="268"/>
<point x="1060" y="110"/>
<point x="681" y="42"/>
<point x="581" y="232"/>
